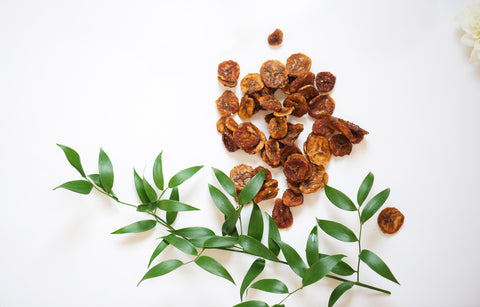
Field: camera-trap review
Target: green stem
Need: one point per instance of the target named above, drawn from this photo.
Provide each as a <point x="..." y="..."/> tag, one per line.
<point x="359" y="245"/>
<point x="289" y="294"/>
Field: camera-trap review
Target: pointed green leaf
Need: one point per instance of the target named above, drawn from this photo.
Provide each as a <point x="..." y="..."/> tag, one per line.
<point x="230" y="224"/>
<point x="162" y="268"/>
<point x="73" y="158"/>
<point x="96" y="180"/>
<point x="172" y="215"/>
<point x="151" y="194"/>
<point x="255" y="225"/>
<point x="105" y="170"/>
<point x="194" y="232"/>
<point x="251" y="188"/>
<point x="377" y="264"/>
<point x="136" y="227"/>
<point x="278" y="305"/>
<point x="225" y="182"/>
<point x="174" y="206"/>
<point x="147" y="207"/>
<point x="213" y="266"/>
<point x="270" y="285"/>
<point x="312" y="246"/>
<point x="342" y="268"/>
<point x="339" y="291"/>
<point x="183" y="175"/>
<point x="158" y="171"/>
<point x="373" y="205"/>
<point x="255" y="269"/>
<point x="364" y="188"/>
<point x="273" y="236"/>
<point x="294" y="260"/>
<point x="158" y="250"/>
<point x="320" y="269"/>
<point x="77" y="186"/>
<point x="337" y="230"/>
<point x="339" y="199"/>
<point x="181" y="244"/>
<point x="218" y="241"/>
<point x="252" y="304"/>
<point x="255" y="247"/>
<point x="221" y="201"/>
<point x="140" y="188"/>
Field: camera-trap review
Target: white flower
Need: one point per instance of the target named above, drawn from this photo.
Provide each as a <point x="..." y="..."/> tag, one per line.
<point x="469" y="20"/>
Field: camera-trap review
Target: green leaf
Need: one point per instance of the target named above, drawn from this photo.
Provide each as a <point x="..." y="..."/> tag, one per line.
<point x="339" y="291"/>
<point x="337" y="230"/>
<point x="194" y="232"/>
<point x="255" y="247"/>
<point x="172" y="215"/>
<point x="255" y="225"/>
<point x="105" y="170"/>
<point x="251" y="188"/>
<point x="136" y="227"/>
<point x="373" y="205"/>
<point x="147" y="207"/>
<point x="183" y="175"/>
<point x="181" y="244"/>
<point x="158" y="250"/>
<point x="294" y="260"/>
<point x="73" y="158"/>
<point x="278" y="305"/>
<point x="140" y="188"/>
<point x="218" y="241"/>
<point x="312" y="246"/>
<point x="77" y="186"/>
<point x="162" y="268"/>
<point x="342" y="268"/>
<point x="273" y="236"/>
<point x="339" y="199"/>
<point x="158" y="171"/>
<point x="170" y="205"/>
<point x="364" y="188"/>
<point x="270" y="285"/>
<point x="213" y="266"/>
<point x="151" y="194"/>
<point x="221" y="201"/>
<point x="255" y="269"/>
<point x="225" y="182"/>
<point x="377" y="264"/>
<point x="252" y="304"/>
<point x="96" y="180"/>
<point x="320" y="269"/>
<point x="229" y="226"/>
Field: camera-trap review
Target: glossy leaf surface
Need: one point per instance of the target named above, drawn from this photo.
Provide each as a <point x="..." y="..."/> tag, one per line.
<point x="339" y="291"/>
<point x="320" y="269"/>
<point x="181" y="244"/>
<point x="337" y="230"/>
<point x="377" y="265"/>
<point x="162" y="268"/>
<point x="136" y="227"/>
<point x="183" y="175"/>
<point x="255" y="269"/>
<point x="105" y="170"/>
<point x="77" y="186"/>
<point x="213" y="266"/>
<point x="255" y="225"/>
<point x="251" y="188"/>
<point x="221" y="201"/>
<point x="294" y="260"/>
<point x="364" y="188"/>
<point x="311" y="249"/>
<point x="174" y="206"/>
<point x="373" y="205"/>
<point x="158" y="250"/>
<point x="270" y="285"/>
<point x="73" y="158"/>
<point x="158" y="172"/>
<point x="255" y="247"/>
<point x="339" y="199"/>
<point x="225" y="182"/>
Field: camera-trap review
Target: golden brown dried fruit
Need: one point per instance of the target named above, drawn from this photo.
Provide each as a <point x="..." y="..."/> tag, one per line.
<point x="271" y="153"/>
<point x="228" y="72"/>
<point x="298" y="102"/>
<point x="248" y="136"/>
<point x="274" y="74"/>
<point x="316" y="181"/>
<point x="317" y="149"/>
<point x="276" y="38"/>
<point x="227" y="104"/>
<point x="308" y="91"/>
<point x="240" y="175"/>
<point x="306" y="78"/>
<point x="321" y="105"/>
<point x="251" y="83"/>
<point x="390" y="220"/>
<point x="281" y="214"/>
<point x="228" y="140"/>
<point x="340" y="145"/>
<point x="322" y="126"/>
<point x="269" y="117"/>
<point x="247" y="107"/>
<point x="268" y="102"/>
<point x="297" y="168"/>
<point x="325" y="81"/>
<point x="353" y="132"/>
<point x="292" y="199"/>
<point x="285" y="111"/>
<point x="293" y="132"/>
<point x="268" y="174"/>
<point x="287" y="150"/>
<point x="259" y="146"/>
<point x="298" y="63"/>
<point x="278" y="127"/>
<point x="269" y="190"/>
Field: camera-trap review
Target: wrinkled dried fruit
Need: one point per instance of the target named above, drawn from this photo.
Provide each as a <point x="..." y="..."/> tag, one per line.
<point x="268" y="174"/>
<point x="298" y="63"/>
<point x="269" y="117"/>
<point x="390" y="220"/>
<point x="292" y="199"/>
<point x="316" y="181"/>
<point x="281" y="214"/>
<point x="248" y="136"/>
<point x="274" y="74"/>
<point x="271" y="153"/>
<point x="308" y="91"/>
<point x="325" y="82"/>
<point x="240" y="175"/>
<point x="259" y="146"/>
<point x="269" y="190"/>
<point x="288" y="150"/>
<point x="228" y="72"/>
<point x="317" y="149"/>
<point x="298" y="102"/>
<point x="251" y="83"/>
<point x="340" y="145"/>
<point x="353" y="132"/>
<point x="285" y="111"/>
<point x="268" y="102"/>
<point x="307" y="78"/>
<point x="293" y="132"/>
<point x="321" y="105"/>
<point x="297" y="168"/>
<point x="322" y="126"/>
<point x="276" y="38"/>
<point x="228" y="140"/>
<point x="227" y="104"/>
<point x="278" y="127"/>
<point x="247" y="107"/>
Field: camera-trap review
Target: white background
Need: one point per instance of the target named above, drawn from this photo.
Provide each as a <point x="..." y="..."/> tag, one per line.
<point x="139" y="77"/>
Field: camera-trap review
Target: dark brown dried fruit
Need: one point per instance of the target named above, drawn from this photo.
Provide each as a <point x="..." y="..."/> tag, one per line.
<point x="390" y="220"/>
<point x="281" y="214"/>
<point x="274" y="74"/>
<point x="316" y="181"/>
<point x="269" y="190"/>
<point x="268" y="102"/>
<point x="251" y="83"/>
<point x="293" y="132"/>
<point x="288" y="150"/>
<point x="317" y="149"/>
<point x="271" y="153"/>
<point x="298" y="63"/>
<point x="285" y="111"/>
<point x="247" y="135"/>
<point x="298" y="102"/>
<point x="276" y="38"/>
<point x="321" y="105"/>
<point x="278" y="127"/>
<point x="269" y="117"/>
<point x="228" y="140"/>
<point x="228" y="72"/>
<point x="322" y="126"/>
<point x="308" y="91"/>
<point x="340" y="145"/>
<point x="297" y="168"/>
<point x="240" y="175"/>
<point x="325" y="81"/>
<point x="294" y="186"/>
<point x="247" y="107"/>
<point x="292" y="199"/>
<point x="227" y="104"/>
<point x="268" y="174"/>
<point x="259" y="146"/>
<point x="307" y="78"/>
<point x="353" y="132"/>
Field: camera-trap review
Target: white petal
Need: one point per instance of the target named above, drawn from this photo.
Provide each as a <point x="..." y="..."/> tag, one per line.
<point x="467" y="40"/>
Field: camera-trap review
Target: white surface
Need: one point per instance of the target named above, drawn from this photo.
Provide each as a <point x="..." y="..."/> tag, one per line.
<point x="138" y="77"/>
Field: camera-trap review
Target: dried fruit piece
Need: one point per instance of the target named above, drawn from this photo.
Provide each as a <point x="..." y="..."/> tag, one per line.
<point x="288" y="150"/>
<point x="274" y="74"/>
<point x="316" y="181"/>
<point x="340" y="145"/>
<point x="298" y="63"/>
<point x="278" y="127"/>
<point x="276" y="38"/>
<point x="229" y="141"/>
<point x="321" y="105"/>
<point x="353" y="132"/>
<point x="228" y="72"/>
<point x="322" y="126"/>
<point x="248" y="136"/>
<point x="298" y="102"/>
<point x="247" y="107"/>
<point x="269" y="117"/>
<point x="240" y="175"/>
<point x="281" y="214"/>
<point x="269" y="190"/>
<point x="293" y="132"/>
<point x="317" y="149"/>
<point x="251" y="83"/>
<point x="325" y="81"/>
<point x="271" y="153"/>
<point x="268" y="174"/>
<point x="297" y="168"/>
<point x="227" y="104"/>
<point x="285" y="111"/>
<point x="307" y="78"/>
<point x="259" y="145"/>
<point x="308" y="91"/>
<point x="292" y="199"/>
<point x="390" y="220"/>
<point x="268" y="102"/>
